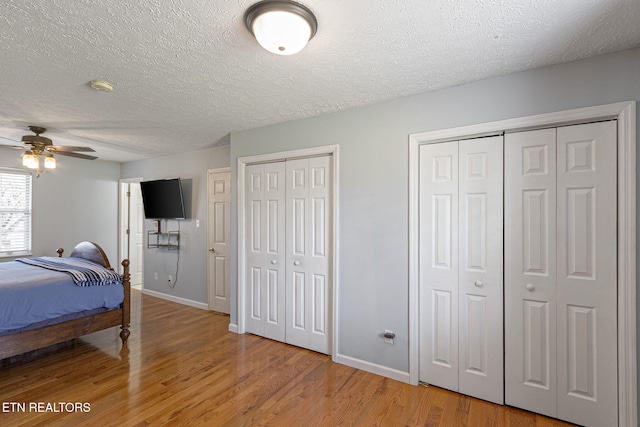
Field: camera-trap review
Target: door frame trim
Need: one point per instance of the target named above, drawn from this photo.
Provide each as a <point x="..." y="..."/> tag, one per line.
<point x="242" y="163"/>
<point x="625" y="114"/>
<point x="209" y="290"/>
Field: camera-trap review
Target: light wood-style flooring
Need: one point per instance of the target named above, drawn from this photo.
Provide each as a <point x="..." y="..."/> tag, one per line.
<point x="183" y="367"/>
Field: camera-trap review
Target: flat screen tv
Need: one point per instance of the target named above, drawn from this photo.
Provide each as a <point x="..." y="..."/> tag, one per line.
<point x="162" y="199"/>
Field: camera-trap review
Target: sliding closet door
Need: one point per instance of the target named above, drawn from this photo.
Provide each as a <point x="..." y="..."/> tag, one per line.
<point x="265" y="248"/>
<point x="480" y="275"/>
<point x="308" y="237"/>
<point x="439" y="264"/>
<point x="587" y="277"/>
<point x="461" y="202"/>
<point x="530" y="271"/>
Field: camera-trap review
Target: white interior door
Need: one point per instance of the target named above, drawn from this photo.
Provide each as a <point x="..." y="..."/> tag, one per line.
<point x="561" y="280"/>
<point x="308" y="284"/>
<point x="288" y="240"/>
<point x="461" y="281"/>
<point x="439" y="264"/>
<point x="480" y="277"/>
<point x="587" y="275"/>
<point x="265" y="246"/>
<point x="530" y="271"/>
<point x="219" y="263"/>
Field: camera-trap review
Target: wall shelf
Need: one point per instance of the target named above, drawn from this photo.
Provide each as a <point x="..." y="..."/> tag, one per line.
<point x="169" y="240"/>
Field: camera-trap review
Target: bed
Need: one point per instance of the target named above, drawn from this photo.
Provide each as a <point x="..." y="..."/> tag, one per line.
<point x="17" y="338"/>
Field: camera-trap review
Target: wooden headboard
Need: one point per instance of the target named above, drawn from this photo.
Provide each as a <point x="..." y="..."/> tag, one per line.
<point x="92" y="252"/>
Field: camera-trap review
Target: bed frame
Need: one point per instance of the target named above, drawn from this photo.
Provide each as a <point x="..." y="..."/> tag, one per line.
<point x="14" y="344"/>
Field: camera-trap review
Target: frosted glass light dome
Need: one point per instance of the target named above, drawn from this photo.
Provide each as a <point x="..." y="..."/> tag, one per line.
<point x="281" y="27"/>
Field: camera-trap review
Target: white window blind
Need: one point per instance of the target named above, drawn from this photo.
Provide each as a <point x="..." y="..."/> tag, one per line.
<point x="15" y="213"/>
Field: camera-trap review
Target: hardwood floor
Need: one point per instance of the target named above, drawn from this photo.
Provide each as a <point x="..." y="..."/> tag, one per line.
<point x="184" y="368"/>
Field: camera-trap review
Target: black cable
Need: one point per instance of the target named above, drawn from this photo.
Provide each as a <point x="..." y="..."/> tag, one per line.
<point x="177" y="259"/>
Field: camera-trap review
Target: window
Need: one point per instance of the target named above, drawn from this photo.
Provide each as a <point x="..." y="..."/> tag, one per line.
<point x="15" y="213"/>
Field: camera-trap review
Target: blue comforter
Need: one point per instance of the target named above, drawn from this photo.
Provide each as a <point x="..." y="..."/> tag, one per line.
<point x="30" y="294"/>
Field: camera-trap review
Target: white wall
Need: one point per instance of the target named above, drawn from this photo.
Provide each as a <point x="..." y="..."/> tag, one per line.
<point x="75" y="202"/>
<point x="373" y="234"/>
<point x="192" y="168"/>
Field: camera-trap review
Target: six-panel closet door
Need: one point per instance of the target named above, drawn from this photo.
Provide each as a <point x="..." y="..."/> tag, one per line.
<point x="265" y="250"/>
<point x="461" y="280"/>
<point x="560" y="273"/>
<point x="289" y="225"/>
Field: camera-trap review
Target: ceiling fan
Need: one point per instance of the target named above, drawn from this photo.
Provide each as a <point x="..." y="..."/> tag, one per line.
<point x="37" y="146"/>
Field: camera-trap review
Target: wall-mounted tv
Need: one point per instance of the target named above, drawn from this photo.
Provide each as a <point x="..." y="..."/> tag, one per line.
<point x="162" y="199"/>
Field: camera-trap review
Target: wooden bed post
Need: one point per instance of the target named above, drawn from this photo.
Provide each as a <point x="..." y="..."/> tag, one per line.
<point x="59" y="250"/>
<point x="126" y="315"/>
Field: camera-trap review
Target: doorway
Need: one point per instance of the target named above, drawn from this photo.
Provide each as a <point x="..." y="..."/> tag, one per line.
<point x="131" y="229"/>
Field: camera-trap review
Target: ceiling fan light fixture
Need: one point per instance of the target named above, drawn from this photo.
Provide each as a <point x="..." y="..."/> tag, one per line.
<point x="282" y="27"/>
<point x="49" y="161"/>
<point x="30" y="160"/>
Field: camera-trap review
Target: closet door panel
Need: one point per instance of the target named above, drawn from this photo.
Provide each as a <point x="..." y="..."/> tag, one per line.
<point x="319" y="258"/>
<point x="275" y="250"/>
<point x="439" y="264"/>
<point x="265" y="250"/>
<point x="587" y="276"/>
<point x="255" y="248"/>
<point x="308" y="259"/>
<point x="530" y="271"/>
<point x="480" y="268"/>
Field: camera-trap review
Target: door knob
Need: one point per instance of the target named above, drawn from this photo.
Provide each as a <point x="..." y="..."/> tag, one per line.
<point x="273" y="261"/>
<point x="529" y="287"/>
<point x="477" y="284"/>
<point x="296" y="262"/>
<point x="211" y="250"/>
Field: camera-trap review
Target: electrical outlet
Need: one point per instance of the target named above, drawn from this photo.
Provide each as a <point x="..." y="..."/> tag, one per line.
<point x="197" y="223"/>
<point x="155" y="275"/>
<point x="170" y="279"/>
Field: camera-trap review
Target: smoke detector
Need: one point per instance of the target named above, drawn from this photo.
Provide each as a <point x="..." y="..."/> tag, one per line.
<point x="101" y="85"/>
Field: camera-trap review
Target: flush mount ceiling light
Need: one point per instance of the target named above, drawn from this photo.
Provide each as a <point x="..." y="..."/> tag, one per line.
<point x="282" y="27"/>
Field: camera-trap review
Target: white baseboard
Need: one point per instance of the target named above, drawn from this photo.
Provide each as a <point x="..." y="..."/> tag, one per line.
<point x="183" y="301"/>
<point x="233" y="327"/>
<point x="363" y="365"/>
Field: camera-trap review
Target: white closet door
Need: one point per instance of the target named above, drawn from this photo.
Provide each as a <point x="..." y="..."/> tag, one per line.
<point x="561" y="280"/>
<point x="587" y="277"/>
<point x="461" y="280"/>
<point x="265" y="248"/>
<point x="308" y="237"/>
<point x="530" y="271"/>
<point x="439" y="264"/>
<point x="480" y="277"/>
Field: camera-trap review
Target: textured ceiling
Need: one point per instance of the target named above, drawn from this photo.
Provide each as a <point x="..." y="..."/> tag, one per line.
<point x="187" y="72"/>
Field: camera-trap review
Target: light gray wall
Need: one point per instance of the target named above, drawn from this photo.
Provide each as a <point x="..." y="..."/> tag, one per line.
<point x="192" y="168"/>
<point x="75" y="202"/>
<point x="373" y="217"/>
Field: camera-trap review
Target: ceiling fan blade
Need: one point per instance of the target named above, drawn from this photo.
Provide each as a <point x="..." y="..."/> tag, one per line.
<point x="58" y="148"/>
<point x="15" y="147"/>
<point x="78" y="155"/>
<point x="14" y="141"/>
